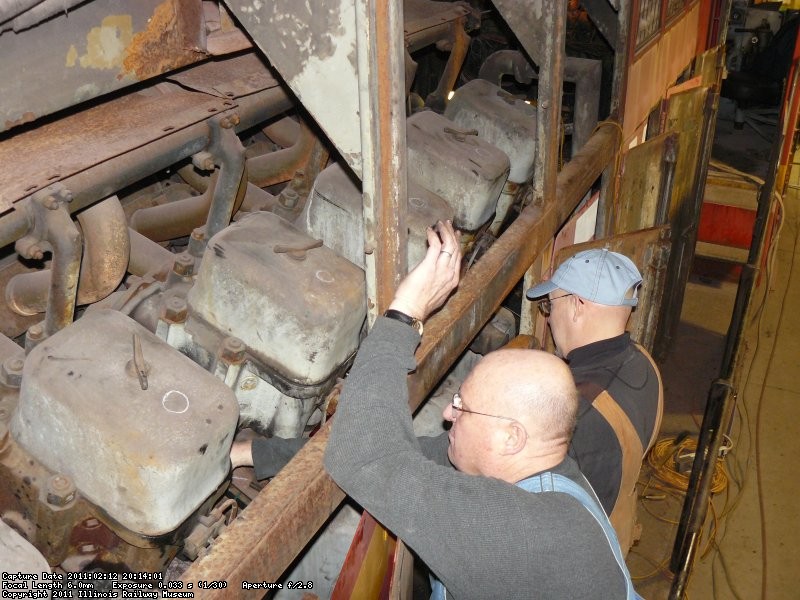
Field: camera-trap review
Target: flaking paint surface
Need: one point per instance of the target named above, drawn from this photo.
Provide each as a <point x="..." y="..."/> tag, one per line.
<point x="105" y="45"/>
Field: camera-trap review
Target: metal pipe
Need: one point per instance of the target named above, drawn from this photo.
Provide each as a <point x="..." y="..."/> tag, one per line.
<point x="105" y="179"/>
<point x="106" y="250"/>
<point x="719" y="408"/>
<point x="458" y="45"/>
<point x="147" y="257"/>
<point x="227" y="185"/>
<point x="65" y="240"/>
<point x="227" y="148"/>
<point x="281" y="165"/>
<point x="507" y="62"/>
<point x="275" y="527"/>
<point x="283" y="132"/>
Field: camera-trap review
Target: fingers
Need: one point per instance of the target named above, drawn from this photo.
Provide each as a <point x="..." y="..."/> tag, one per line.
<point x="429" y="284"/>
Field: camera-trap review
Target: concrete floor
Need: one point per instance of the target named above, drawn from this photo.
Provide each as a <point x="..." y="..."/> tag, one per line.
<point x="746" y="551"/>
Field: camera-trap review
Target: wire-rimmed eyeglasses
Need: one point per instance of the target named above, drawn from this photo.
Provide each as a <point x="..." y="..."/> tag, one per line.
<point x="545" y="304"/>
<point x="458" y="405"/>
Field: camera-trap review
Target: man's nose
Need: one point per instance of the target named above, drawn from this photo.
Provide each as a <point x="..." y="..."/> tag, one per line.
<point x="449" y="414"/>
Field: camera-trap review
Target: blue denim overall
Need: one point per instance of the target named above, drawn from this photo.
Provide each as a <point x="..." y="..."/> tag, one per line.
<point x="552" y="482"/>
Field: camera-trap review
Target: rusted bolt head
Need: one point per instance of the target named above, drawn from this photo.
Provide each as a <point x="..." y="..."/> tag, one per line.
<point x="60" y="490"/>
<point x="11" y="371"/>
<point x="232" y="350"/>
<point x="184" y="264"/>
<point x="36" y="331"/>
<point x="289" y="198"/>
<point x="175" y="310"/>
<point x="203" y="161"/>
<point x="50" y="202"/>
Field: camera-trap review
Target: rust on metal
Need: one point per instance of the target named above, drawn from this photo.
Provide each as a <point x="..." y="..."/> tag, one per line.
<point x="263" y="541"/>
<point x="389" y="138"/>
<point x="278" y="524"/>
<point x="35" y="159"/>
<point x="170" y="41"/>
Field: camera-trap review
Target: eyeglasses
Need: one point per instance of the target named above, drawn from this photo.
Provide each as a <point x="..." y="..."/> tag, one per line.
<point x="545" y="304"/>
<point x="458" y="405"/>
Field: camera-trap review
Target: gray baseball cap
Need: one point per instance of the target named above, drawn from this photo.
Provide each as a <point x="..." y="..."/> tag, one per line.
<point x="596" y="275"/>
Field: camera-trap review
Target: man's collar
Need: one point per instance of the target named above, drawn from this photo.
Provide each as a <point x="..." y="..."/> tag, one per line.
<point x="596" y="350"/>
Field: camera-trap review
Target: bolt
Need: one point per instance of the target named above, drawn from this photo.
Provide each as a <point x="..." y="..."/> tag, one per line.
<point x="11" y="371"/>
<point x="87" y="548"/>
<point x="229" y="121"/>
<point x="232" y="350"/>
<point x="184" y="264"/>
<point x="36" y="332"/>
<point x="60" y="490"/>
<point x="50" y="203"/>
<point x="545" y="104"/>
<point x="91" y="523"/>
<point x="289" y="198"/>
<point x="175" y="310"/>
<point x="203" y="161"/>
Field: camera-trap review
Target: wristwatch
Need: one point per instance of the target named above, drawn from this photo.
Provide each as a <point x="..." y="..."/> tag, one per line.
<point x="404" y="318"/>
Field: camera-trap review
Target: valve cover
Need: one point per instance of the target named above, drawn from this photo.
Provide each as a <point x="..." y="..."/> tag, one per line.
<point x="299" y="309"/>
<point x="147" y="457"/>
<point x="335" y="213"/>
<point x="458" y="165"/>
<point x="503" y="120"/>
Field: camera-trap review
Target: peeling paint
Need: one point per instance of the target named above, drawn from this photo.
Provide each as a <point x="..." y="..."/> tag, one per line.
<point x="72" y="56"/>
<point x="105" y="45"/>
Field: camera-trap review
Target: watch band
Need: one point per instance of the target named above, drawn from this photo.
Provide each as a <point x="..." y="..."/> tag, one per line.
<point x="404" y="318"/>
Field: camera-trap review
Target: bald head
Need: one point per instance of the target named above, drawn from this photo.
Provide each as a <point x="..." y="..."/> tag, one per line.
<point x="534" y="387"/>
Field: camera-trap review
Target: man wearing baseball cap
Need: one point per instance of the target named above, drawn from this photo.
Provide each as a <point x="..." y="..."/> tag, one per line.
<point x="587" y="303"/>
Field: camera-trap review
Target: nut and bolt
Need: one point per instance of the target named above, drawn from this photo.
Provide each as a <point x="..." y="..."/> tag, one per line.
<point x="175" y="310"/>
<point x="184" y="264"/>
<point x="229" y="121"/>
<point x="11" y="371"/>
<point x="60" y="490"/>
<point x="232" y="350"/>
<point x="36" y="332"/>
<point x="203" y="161"/>
<point x="288" y="198"/>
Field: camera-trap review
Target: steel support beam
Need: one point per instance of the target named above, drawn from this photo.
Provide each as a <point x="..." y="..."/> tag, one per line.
<point x="381" y="86"/>
<point x="539" y="26"/>
<point x="604" y="18"/>
<point x="276" y="526"/>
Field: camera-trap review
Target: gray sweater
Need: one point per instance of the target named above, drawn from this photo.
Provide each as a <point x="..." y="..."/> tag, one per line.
<point x="482" y="537"/>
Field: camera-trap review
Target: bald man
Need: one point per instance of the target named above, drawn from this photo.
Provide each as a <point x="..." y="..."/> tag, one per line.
<point x="515" y="518"/>
<point x="587" y="302"/>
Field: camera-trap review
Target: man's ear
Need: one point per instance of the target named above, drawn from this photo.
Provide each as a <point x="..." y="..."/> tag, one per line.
<point x="516" y="438"/>
<point x="578" y="307"/>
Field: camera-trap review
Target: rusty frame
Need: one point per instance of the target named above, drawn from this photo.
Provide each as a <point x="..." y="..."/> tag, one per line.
<point x="277" y="525"/>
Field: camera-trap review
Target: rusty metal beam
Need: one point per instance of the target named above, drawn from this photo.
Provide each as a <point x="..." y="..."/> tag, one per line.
<point x="92" y="49"/>
<point x="381" y="85"/>
<point x="539" y="26"/>
<point x="274" y="528"/>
